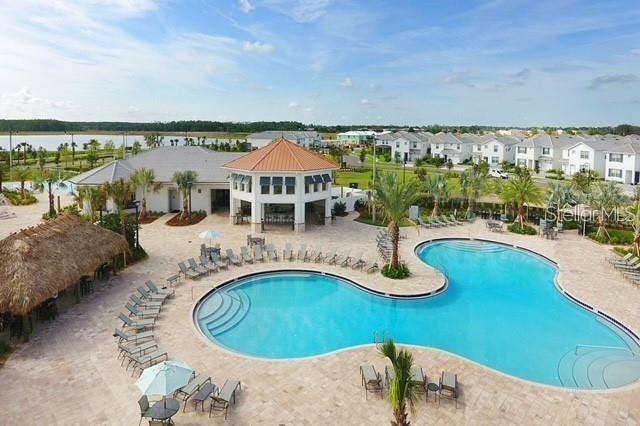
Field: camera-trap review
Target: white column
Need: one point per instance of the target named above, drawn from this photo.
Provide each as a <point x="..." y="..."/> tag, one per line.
<point x="327" y="211"/>
<point x="256" y="216"/>
<point x="233" y="207"/>
<point x="299" y="216"/>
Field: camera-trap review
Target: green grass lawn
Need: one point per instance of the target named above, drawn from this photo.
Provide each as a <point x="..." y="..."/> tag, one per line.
<point x="363" y="179"/>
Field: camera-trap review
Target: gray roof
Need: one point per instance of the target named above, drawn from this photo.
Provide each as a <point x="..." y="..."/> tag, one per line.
<point x="292" y="135"/>
<point x="444" y="138"/>
<point x="164" y="161"/>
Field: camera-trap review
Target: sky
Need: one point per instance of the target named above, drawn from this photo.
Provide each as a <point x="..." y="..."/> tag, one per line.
<point x="456" y="62"/>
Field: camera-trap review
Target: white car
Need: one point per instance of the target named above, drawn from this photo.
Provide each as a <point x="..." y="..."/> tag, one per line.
<point x="497" y="173"/>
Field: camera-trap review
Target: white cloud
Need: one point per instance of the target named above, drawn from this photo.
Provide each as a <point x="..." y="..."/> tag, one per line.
<point x="302" y="11"/>
<point x="459" y="77"/>
<point x="294" y="105"/>
<point x="246" y="6"/>
<point x="257" y="47"/>
<point x="347" y="82"/>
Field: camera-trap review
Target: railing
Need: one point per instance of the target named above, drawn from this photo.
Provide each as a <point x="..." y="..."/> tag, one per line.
<point x="605" y="347"/>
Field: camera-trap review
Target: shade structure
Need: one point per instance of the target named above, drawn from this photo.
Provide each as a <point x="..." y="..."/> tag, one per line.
<point x="209" y="234"/>
<point x="164" y="378"/>
<point x="40" y="261"/>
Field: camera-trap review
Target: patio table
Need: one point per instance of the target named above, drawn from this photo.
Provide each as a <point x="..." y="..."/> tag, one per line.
<point x="164" y="409"/>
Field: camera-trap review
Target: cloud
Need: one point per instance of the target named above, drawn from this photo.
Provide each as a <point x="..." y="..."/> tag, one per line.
<point x="605" y="80"/>
<point x="257" y="47"/>
<point x="246" y="6"/>
<point x="24" y="99"/>
<point x="347" y="82"/>
<point x="523" y="74"/>
<point x="294" y="105"/>
<point x="301" y="11"/>
<point x="459" y="77"/>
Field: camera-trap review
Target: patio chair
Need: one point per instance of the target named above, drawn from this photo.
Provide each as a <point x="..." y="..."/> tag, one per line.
<point x="358" y="262"/>
<point x="455" y="221"/>
<point x="287" y="253"/>
<point x="155" y="289"/>
<point x="145" y="409"/>
<point x="195" y="267"/>
<point x="244" y="253"/>
<point x="125" y="350"/>
<point x="259" y="254"/>
<point x="372" y="267"/>
<point x="628" y="263"/>
<point x="132" y="338"/>
<point x="142" y="314"/>
<point x="344" y="260"/>
<point x="302" y="253"/>
<point x="272" y="252"/>
<point x="617" y="259"/>
<point x="140" y="324"/>
<point x="628" y="268"/>
<point x="449" y="386"/>
<point x="207" y="264"/>
<point x="154" y="297"/>
<point x="217" y="260"/>
<point x="140" y="362"/>
<point x="188" y="272"/>
<point x="371" y="380"/>
<point x="435" y="221"/>
<point x="190" y="389"/>
<point x="444" y="219"/>
<point x="316" y="256"/>
<point x="224" y="396"/>
<point x="233" y="258"/>
<point x="423" y="223"/>
<point x="331" y="257"/>
<point x="145" y="304"/>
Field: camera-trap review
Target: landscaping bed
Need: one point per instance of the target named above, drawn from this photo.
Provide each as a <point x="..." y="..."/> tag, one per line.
<point x="616" y="236"/>
<point x="16" y="199"/>
<point x="524" y="230"/>
<point x="195" y="218"/>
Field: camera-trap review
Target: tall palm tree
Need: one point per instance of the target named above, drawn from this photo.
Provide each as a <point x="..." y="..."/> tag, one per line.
<point x="21" y="174"/>
<point x="394" y="198"/>
<point x="145" y="179"/>
<point x="185" y="180"/>
<point x="521" y="190"/>
<point x="45" y="180"/>
<point x="632" y="213"/>
<point x="558" y="196"/>
<point x="438" y="187"/>
<point x="402" y="390"/>
<point x="120" y="192"/>
<point x="95" y="197"/>
<point x="473" y="183"/>
<point x="605" y="198"/>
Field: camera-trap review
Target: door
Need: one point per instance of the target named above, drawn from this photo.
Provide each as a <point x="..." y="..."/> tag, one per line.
<point x="174" y="200"/>
<point x="636" y="179"/>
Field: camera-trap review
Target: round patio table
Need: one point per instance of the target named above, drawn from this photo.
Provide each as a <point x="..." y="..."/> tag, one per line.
<point x="433" y="387"/>
<point x="164" y="409"/>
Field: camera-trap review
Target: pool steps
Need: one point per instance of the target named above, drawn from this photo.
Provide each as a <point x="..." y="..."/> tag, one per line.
<point x="225" y="311"/>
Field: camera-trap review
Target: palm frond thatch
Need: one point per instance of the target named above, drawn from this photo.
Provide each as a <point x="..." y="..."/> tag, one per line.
<point x="40" y="261"/>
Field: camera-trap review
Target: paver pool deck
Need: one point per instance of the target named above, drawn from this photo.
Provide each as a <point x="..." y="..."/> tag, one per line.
<point x="68" y="373"/>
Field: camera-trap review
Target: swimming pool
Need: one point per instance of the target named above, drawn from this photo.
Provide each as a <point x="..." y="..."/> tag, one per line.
<point x="501" y="309"/>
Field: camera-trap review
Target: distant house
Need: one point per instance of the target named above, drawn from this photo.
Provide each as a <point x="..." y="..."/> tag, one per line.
<point x="304" y="138"/>
<point x="210" y="193"/>
<point x="405" y="146"/>
<point x="451" y="147"/>
<point x="356" y="137"/>
<point x="496" y="149"/>
<point x="543" y="151"/>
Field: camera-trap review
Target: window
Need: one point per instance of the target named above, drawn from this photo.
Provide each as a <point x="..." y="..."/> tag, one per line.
<point x="265" y="183"/>
<point x="436" y="146"/>
<point x="478" y="148"/>
<point x="308" y="181"/>
<point x="522" y="162"/>
<point x="324" y="186"/>
<point x="615" y="158"/>
<point x="397" y="144"/>
<point x="615" y="173"/>
<point x="522" y="150"/>
<point x="415" y="145"/>
<point x="290" y="184"/>
<point x="495" y="148"/>
<point x="495" y="160"/>
<point x="458" y="147"/>
<point x="277" y="185"/>
<point x="546" y="151"/>
<point x="306" y="188"/>
<point x="584" y="155"/>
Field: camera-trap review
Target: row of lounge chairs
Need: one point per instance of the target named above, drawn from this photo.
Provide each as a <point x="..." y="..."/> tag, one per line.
<point x="628" y="266"/>
<point x="439" y="221"/>
<point x="495" y="226"/>
<point x="372" y="381"/>
<point x="331" y="257"/>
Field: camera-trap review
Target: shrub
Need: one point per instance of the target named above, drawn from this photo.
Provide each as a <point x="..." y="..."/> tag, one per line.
<point x="340" y="208"/>
<point x="16" y="199"/>
<point x="616" y="236"/>
<point x="359" y="204"/>
<point x="395" y="274"/>
<point x="361" y="169"/>
<point x="524" y="230"/>
<point x="622" y="251"/>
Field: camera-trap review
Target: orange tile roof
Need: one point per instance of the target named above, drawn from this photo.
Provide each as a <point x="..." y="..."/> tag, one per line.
<point x="279" y="156"/>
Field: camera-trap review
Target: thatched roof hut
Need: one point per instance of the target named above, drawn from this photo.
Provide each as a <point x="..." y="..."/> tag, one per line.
<point x="40" y="261"/>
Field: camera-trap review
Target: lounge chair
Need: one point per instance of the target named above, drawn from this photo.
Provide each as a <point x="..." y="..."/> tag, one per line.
<point x="220" y="402"/>
<point x="444" y="219"/>
<point x="417" y="376"/>
<point x="217" y="260"/>
<point x="233" y="258"/>
<point x="358" y="262"/>
<point x="371" y="380"/>
<point x="287" y="253"/>
<point x="617" y="259"/>
<point x="455" y="221"/>
<point x="343" y="260"/>
<point x="134" y="337"/>
<point x="244" y="253"/>
<point x="138" y="324"/>
<point x="259" y="254"/>
<point x="130" y="349"/>
<point x="195" y="267"/>
<point x="140" y="313"/>
<point x="331" y="257"/>
<point x="145" y="304"/>
<point x="302" y="253"/>
<point x="188" y="390"/>
<point x="188" y="272"/>
<point x="435" y="221"/>
<point x="635" y="267"/>
<point x="423" y="223"/>
<point x="147" y="295"/>
<point x="272" y="253"/>
<point x="628" y="263"/>
<point x="162" y="291"/>
<point x="207" y="264"/>
<point x="316" y="255"/>
<point x="449" y="386"/>
<point x="140" y="362"/>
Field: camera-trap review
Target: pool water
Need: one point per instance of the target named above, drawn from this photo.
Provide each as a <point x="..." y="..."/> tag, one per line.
<point x="501" y="309"/>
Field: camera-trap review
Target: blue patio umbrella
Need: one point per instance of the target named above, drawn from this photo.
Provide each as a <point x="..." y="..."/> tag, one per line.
<point x="164" y="378"/>
<point x="210" y="235"/>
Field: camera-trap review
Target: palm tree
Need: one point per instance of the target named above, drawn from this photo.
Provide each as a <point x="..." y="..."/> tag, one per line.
<point x="21" y="174"/>
<point x="438" y="187"/>
<point x="521" y="191"/>
<point x="47" y="179"/>
<point x="402" y="390"/>
<point x="632" y="213"/>
<point x="73" y="152"/>
<point x="473" y="182"/>
<point x="120" y="192"/>
<point x="605" y="197"/>
<point x="94" y="196"/>
<point x="145" y="179"/>
<point x="558" y="196"/>
<point x="185" y="180"/>
<point x="394" y="198"/>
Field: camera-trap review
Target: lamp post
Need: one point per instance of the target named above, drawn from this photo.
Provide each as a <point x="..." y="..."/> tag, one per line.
<point x="373" y="209"/>
<point x="404" y="169"/>
<point x="189" y="203"/>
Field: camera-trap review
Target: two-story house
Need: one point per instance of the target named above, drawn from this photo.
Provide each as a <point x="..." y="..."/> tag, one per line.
<point x="496" y="149"/>
<point x="543" y="152"/>
<point x="405" y="146"/>
<point x="452" y="147"/>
